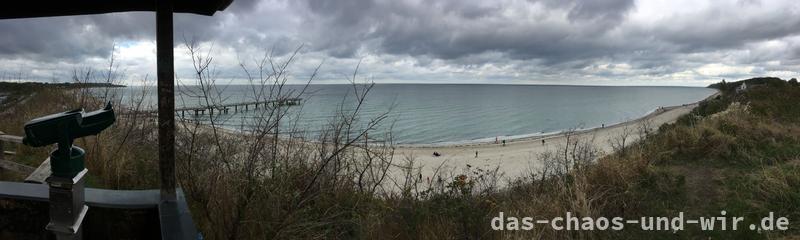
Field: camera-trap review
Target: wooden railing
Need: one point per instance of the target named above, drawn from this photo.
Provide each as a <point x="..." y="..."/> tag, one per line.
<point x="8" y="139"/>
<point x="174" y="218"/>
<point x="35" y="175"/>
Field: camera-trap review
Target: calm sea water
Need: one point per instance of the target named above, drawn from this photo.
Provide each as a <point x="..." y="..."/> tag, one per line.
<point x="442" y="114"/>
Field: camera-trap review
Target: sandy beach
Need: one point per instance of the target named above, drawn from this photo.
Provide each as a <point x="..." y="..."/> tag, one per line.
<point x="520" y="156"/>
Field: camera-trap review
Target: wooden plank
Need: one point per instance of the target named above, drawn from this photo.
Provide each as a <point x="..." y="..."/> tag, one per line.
<point x="126" y="199"/>
<point x="40" y="174"/>
<point x="24" y="191"/>
<point x="52" y="8"/>
<point x="10" y="138"/>
<point x="174" y="216"/>
<point x="16" y="167"/>
<point x="7" y="138"/>
<point x="177" y="220"/>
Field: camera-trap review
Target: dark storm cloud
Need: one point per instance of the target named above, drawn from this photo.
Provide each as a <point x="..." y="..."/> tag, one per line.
<point x="453" y="29"/>
<point x="719" y="30"/>
<point x="612" y="37"/>
<point x="42" y="38"/>
<point x="602" y="12"/>
<point x="593" y="29"/>
<point x="71" y="38"/>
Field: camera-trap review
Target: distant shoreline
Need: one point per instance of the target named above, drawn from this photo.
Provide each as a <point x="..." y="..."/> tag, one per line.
<point x="487" y="137"/>
<point x="456" y="84"/>
<point x="534" y="136"/>
<point x="517" y="157"/>
<point x="65" y="85"/>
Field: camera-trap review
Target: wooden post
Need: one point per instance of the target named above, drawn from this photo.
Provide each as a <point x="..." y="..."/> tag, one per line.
<point x="2" y="149"/>
<point x="166" y="98"/>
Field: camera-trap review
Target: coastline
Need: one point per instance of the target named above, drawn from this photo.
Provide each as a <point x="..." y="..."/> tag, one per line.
<point x="520" y="156"/>
<point x="539" y="136"/>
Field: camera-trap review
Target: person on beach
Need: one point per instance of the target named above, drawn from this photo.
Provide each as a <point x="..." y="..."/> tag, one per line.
<point x="495" y="140"/>
<point x="542" y="142"/>
<point x="603" y="125"/>
<point x="504" y="142"/>
<point x="476" y="154"/>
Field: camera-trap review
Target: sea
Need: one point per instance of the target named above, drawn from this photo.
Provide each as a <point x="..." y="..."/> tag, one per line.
<point x="442" y="114"/>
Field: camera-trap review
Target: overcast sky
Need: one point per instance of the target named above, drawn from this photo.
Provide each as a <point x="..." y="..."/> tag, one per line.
<point x="596" y="42"/>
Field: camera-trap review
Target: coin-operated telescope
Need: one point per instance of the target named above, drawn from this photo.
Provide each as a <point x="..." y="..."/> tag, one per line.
<point x="67" y="208"/>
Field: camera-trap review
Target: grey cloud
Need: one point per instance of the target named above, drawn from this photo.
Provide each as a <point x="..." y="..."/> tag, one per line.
<point x="78" y="37"/>
<point x="720" y="30"/>
<point x="537" y="37"/>
<point x="453" y="29"/>
<point x="46" y="38"/>
<point x="607" y="12"/>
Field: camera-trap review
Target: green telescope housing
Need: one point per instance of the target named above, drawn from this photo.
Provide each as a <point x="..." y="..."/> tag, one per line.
<point x="62" y="129"/>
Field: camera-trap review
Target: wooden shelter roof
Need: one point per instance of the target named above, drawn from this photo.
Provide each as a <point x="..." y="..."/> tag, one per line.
<point x="52" y="8"/>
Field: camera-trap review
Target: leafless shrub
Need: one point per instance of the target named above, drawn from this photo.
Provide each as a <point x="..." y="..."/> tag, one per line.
<point x="573" y="154"/>
<point x="267" y="179"/>
<point x="109" y="154"/>
<point x="622" y="140"/>
<point x="644" y="128"/>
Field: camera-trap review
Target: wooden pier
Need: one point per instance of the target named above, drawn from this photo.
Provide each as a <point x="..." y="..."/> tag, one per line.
<point x="35" y="175"/>
<point x="236" y="107"/>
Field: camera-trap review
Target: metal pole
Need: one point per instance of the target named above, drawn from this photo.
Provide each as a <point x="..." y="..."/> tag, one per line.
<point x="166" y="98"/>
<point x="67" y="207"/>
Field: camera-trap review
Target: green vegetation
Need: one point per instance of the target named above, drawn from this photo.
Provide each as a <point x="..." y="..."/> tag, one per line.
<point x="737" y="152"/>
<point x="11" y="92"/>
<point x="30" y="86"/>
<point x="124" y="159"/>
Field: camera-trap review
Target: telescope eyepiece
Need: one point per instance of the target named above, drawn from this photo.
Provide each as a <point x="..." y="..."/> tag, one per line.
<point x="67" y="126"/>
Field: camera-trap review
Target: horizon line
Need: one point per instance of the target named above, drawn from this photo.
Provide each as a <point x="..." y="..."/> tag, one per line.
<point x="395" y="83"/>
